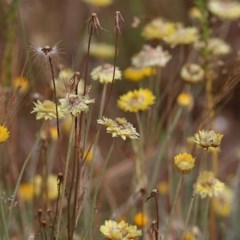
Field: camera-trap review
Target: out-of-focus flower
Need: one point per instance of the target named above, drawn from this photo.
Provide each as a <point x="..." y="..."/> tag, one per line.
<point x="225" y="10"/>
<point x="208" y="138"/>
<point x="46" y="110"/>
<point x="119" y="127"/>
<point x="104" y="73"/>
<point x="120" y="231"/>
<point x="26" y="191"/>
<point x="192" y="234"/>
<point x="192" y="73"/>
<point x="99" y="3"/>
<point x="195" y="13"/>
<point x="53" y="133"/>
<point x="184" y="162"/>
<point x="136" y="100"/>
<point x="158" y="29"/>
<point x="137" y="74"/>
<point x="102" y="50"/>
<point x="21" y="84"/>
<point x="207" y="185"/>
<point x="151" y="57"/>
<point x="185" y="100"/>
<point x="88" y="155"/>
<point x="163" y="187"/>
<point x="75" y="104"/>
<point x="215" y="47"/>
<point x="4" y="133"/>
<point x="182" y="35"/>
<point x="140" y="219"/>
<point x="223" y="202"/>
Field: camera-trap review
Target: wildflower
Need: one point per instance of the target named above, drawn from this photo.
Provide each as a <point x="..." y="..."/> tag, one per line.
<point x="207" y="185"/>
<point x="185" y="100"/>
<point x="223" y="202"/>
<point x="75" y="104"/>
<point x="53" y="133"/>
<point x="184" y="162"/>
<point x="26" y="191"/>
<point x="182" y="35"/>
<point x="215" y="47"/>
<point x="50" y="191"/>
<point x="102" y="50"/>
<point x="192" y="73"/>
<point x="119" y="128"/>
<point x="119" y="231"/>
<point x="208" y="139"/>
<point x="195" y="13"/>
<point x="98" y="3"/>
<point x="88" y="155"/>
<point x="140" y="219"/>
<point x="4" y="133"/>
<point x="192" y="234"/>
<point x="104" y="73"/>
<point x="137" y="74"/>
<point x="46" y="110"/>
<point x="47" y="52"/>
<point x="163" y="187"/>
<point x="21" y="84"/>
<point x="158" y="29"/>
<point x="225" y="10"/>
<point x="137" y="100"/>
<point x="151" y="57"/>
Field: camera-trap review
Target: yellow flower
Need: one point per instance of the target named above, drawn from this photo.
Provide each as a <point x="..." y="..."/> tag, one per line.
<point x="98" y="3"/>
<point x="185" y="100"/>
<point x="182" y="35"/>
<point x="4" y="133"/>
<point x="53" y="133"/>
<point x="137" y="74"/>
<point x="88" y="155"/>
<point x="225" y="10"/>
<point x="104" y="73"/>
<point x="215" y="47"/>
<point x="119" y="231"/>
<point x="192" y="234"/>
<point x="102" y="50"/>
<point x="195" y="13"/>
<point x="192" y="73"/>
<point x="151" y="57"/>
<point x="21" y="84"/>
<point x="140" y="219"/>
<point x="207" y="185"/>
<point x="119" y="128"/>
<point x="75" y="104"/>
<point x="163" y="187"/>
<point x="223" y="202"/>
<point x="208" y="139"/>
<point x="51" y="191"/>
<point x="26" y="191"/>
<point x="137" y="100"/>
<point x="184" y="162"/>
<point x="46" y="110"/>
<point x="157" y="29"/>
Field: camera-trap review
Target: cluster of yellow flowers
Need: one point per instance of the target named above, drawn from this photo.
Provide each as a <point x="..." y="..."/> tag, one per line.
<point x="4" y="133"/>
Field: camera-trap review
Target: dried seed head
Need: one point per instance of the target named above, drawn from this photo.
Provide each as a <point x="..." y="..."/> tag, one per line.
<point x="94" y="24"/>
<point x="118" y="21"/>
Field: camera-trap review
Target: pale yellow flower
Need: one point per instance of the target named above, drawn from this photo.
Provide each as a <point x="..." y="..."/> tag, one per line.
<point x="140" y="219"/>
<point x="207" y="185"/>
<point x="158" y="28"/>
<point x="182" y="35"/>
<point x="119" y="128"/>
<point x="192" y="73"/>
<point x="185" y="100"/>
<point x="75" y="104"/>
<point x="215" y="47"/>
<point x="119" y="231"/>
<point x="163" y="187"/>
<point x="223" y="202"/>
<point x="137" y="100"/>
<point x="102" y="50"/>
<point x="151" y="57"/>
<point x="225" y="10"/>
<point x="21" y="84"/>
<point x="99" y="3"/>
<point x="192" y="234"/>
<point x="137" y="74"/>
<point x="46" y="110"/>
<point x="4" y="133"/>
<point x="184" y="162"/>
<point x="104" y="73"/>
<point x="208" y="138"/>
